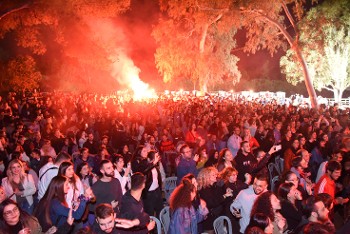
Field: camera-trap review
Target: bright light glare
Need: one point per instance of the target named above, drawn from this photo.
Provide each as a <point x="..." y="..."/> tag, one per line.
<point x="141" y="89"/>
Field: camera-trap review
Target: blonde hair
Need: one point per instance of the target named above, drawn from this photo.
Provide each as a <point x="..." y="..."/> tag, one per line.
<point x="203" y="177"/>
<point x="9" y="174"/>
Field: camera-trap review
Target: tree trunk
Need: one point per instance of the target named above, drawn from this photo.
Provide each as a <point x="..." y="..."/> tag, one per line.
<point x="203" y="85"/>
<point x="309" y="87"/>
<point x="338" y="94"/>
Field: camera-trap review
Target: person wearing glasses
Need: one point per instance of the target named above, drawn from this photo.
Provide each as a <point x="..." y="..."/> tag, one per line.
<point x="15" y="220"/>
<point x="186" y="164"/>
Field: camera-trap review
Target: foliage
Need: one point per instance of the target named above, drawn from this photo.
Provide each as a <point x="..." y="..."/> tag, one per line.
<point x="195" y="42"/>
<point x="59" y="28"/>
<point x="325" y="42"/>
<point x="22" y="74"/>
<point x="180" y="32"/>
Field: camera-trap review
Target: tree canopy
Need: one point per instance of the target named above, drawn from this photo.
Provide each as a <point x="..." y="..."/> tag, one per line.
<point x="58" y="30"/>
<point x="189" y="30"/>
<point x="325" y="43"/>
<point x="195" y="43"/>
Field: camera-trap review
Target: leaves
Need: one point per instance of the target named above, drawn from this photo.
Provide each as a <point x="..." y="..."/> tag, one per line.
<point x="195" y="41"/>
<point x="61" y="28"/>
<point x="22" y="74"/>
<point x="326" y="49"/>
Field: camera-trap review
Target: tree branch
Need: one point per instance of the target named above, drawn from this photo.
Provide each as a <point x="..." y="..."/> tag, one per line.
<point x="260" y="13"/>
<point x="289" y="15"/>
<point x="14" y="10"/>
<point x="328" y="88"/>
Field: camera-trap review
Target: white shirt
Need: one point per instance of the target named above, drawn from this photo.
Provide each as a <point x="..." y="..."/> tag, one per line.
<point x="154" y="184"/>
<point x="321" y="171"/>
<point x="45" y="179"/>
<point x="124" y="180"/>
<point x="244" y="202"/>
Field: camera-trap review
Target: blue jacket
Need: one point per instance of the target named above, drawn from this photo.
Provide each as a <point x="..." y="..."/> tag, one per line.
<point x="184" y="220"/>
<point x="59" y="212"/>
<point x="184" y="167"/>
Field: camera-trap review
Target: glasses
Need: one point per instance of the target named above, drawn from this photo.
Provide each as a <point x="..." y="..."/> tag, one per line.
<point x="11" y="212"/>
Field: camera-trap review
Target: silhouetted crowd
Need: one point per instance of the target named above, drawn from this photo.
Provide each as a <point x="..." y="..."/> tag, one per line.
<point x="89" y="163"/>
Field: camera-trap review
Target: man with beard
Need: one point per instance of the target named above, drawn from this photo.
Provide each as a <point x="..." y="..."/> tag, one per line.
<point x="108" y="189"/>
<point x="107" y="222"/>
<point x="326" y="184"/>
<point x="315" y="212"/>
<point x="243" y="204"/>
<point x="245" y="161"/>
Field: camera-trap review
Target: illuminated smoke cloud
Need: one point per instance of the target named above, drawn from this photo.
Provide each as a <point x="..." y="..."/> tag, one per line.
<point x="112" y="39"/>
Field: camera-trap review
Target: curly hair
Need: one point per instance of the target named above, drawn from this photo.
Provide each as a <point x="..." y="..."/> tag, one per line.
<point x="203" y="177"/>
<point x="263" y="205"/>
<point x="226" y="173"/>
<point x="181" y="196"/>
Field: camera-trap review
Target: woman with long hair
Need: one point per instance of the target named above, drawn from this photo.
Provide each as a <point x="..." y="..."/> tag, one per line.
<point x="76" y="187"/>
<point x="225" y="159"/>
<point x="213" y="158"/>
<point x="268" y="204"/>
<point x="85" y="174"/>
<point x="19" y="186"/>
<point x="291" y="207"/>
<point x="192" y="136"/>
<point x="53" y="209"/>
<point x="259" y="223"/>
<point x="184" y="217"/>
<point x="121" y="173"/>
<point x="15" y="220"/>
<point x="213" y="194"/>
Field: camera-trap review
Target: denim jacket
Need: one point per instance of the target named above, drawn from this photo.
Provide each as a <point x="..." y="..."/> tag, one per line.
<point x="184" y="220"/>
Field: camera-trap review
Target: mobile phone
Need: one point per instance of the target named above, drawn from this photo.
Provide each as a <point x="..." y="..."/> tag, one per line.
<point x="278" y="147"/>
<point x="235" y="210"/>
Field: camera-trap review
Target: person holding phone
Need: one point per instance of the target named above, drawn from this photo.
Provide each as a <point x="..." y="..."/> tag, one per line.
<point x="122" y="173"/>
<point x="148" y="164"/>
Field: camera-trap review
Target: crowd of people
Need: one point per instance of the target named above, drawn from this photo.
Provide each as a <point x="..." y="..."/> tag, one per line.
<point x="87" y="163"/>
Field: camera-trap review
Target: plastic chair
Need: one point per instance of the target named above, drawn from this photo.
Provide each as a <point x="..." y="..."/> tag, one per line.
<point x="273" y="183"/>
<point x="273" y="171"/>
<point x="158" y="224"/>
<point x="279" y="163"/>
<point x="222" y="225"/>
<point x="169" y="186"/>
<point x="164" y="217"/>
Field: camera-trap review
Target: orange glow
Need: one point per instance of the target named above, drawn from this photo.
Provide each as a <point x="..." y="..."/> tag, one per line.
<point x="127" y="74"/>
<point x="140" y="89"/>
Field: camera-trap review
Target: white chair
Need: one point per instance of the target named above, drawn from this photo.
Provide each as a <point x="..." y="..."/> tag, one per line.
<point x="222" y="225"/>
<point x="158" y="224"/>
<point x="164" y="217"/>
<point x="169" y="186"/>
